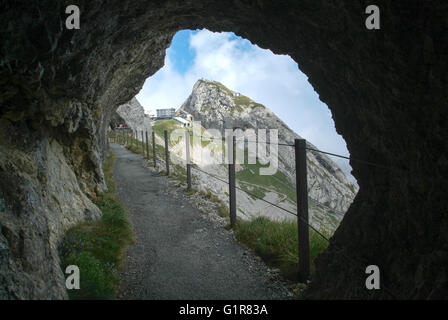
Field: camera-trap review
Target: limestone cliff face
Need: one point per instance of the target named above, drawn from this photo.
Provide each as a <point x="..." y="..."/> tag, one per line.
<point x="386" y="90"/>
<point x="134" y="116"/>
<point x="41" y="195"/>
<point x="211" y="103"/>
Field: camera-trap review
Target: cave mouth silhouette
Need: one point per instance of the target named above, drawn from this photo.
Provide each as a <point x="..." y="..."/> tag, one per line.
<point x="386" y="90"/>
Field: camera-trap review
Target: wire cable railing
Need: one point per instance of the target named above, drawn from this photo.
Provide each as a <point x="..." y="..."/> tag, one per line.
<point x="369" y="163"/>
<point x="351" y="259"/>
<point x="356" y="261"/>
<point x="264" y="200"/>
<point x="348" y="258"/>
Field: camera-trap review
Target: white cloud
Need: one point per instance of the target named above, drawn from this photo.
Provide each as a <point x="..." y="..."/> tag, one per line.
<point x="273" y="80"/>
<point x="165" y="89"/>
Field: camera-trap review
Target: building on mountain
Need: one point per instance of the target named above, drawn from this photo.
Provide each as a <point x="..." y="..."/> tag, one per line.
<point x="185" y="123"/>
<point x="165" y="113"/>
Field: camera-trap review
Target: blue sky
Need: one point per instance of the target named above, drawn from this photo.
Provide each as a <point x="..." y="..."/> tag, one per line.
<point x="180" y="52"/>
<point x="273" y="80"/>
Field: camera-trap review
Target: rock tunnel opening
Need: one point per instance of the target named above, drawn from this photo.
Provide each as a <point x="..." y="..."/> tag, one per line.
<point x="385" y="89"/>
<point x="208" y="77"/>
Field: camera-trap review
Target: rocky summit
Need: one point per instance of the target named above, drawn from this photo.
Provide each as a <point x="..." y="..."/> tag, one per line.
<point x="330" y="192"/>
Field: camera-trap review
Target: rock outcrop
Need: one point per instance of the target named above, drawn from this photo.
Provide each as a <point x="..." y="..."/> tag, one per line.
<point x="386" y="90"/>
<point x="133" y="114"/>
<point x="41" y="195"/>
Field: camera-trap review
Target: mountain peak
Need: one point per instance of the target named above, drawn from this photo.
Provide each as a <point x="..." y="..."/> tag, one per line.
<point x="215" y="101"/>
<point x="216" y="85"/>
<point x="212" y="104"/>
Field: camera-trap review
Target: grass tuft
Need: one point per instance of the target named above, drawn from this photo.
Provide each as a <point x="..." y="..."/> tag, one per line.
<point x="276" y="242"/>
<point x="98" y="247"/>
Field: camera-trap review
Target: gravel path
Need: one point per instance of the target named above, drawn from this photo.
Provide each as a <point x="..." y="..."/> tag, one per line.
<point x="180" y="253"/>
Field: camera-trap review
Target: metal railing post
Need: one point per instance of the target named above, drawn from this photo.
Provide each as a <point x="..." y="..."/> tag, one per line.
<point x="187" y="150"/>
<point x="302" y="209"/>
<point x="167" y="156"/>
<point x="154" y="148"/>
<point x="147" y="145"/>
<point x="232" y="191"/>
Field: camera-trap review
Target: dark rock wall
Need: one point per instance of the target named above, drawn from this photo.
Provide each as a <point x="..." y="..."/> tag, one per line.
<point x="386" y="90"/>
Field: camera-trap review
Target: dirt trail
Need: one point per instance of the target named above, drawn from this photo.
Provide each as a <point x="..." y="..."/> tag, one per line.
<point x="180" y="254"/>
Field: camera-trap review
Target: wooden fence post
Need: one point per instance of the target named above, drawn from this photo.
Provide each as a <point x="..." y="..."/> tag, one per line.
<point x="187" y="150"/>
<point x="167" y="156"/>
<point x="154" y="148"/>
<point x="143" y="145"/>
<point x="232" y="191"/>
<point x="302" y="209"/>
<point x="147" y="145"/>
